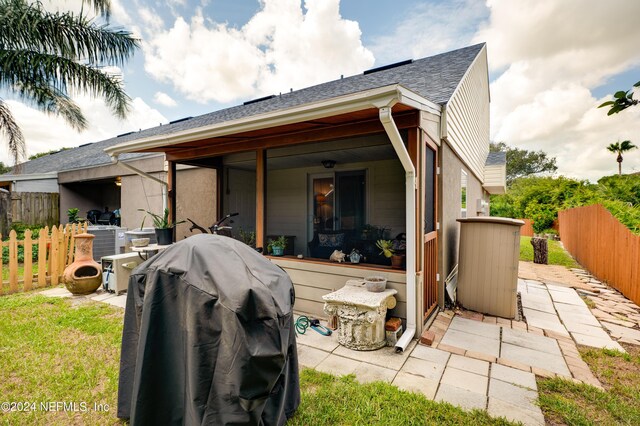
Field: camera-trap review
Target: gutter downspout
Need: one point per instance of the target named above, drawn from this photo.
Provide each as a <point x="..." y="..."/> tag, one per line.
<point x="165" y="185"/>
<point x="410" y="186"/>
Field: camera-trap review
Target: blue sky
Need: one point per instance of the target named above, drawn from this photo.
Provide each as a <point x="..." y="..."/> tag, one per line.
<point x="551" y="63"/>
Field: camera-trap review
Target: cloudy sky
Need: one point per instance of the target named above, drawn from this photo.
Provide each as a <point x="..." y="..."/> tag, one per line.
<point x="551" y="63"/>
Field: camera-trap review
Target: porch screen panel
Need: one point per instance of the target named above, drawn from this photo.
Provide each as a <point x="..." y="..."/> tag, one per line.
<point x="350" y="191"/>
<point x="429" y="213"/>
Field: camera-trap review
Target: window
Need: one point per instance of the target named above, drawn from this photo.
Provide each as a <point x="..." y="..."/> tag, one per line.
<point x="339" y="201"/>
<point x="463" y="194"/>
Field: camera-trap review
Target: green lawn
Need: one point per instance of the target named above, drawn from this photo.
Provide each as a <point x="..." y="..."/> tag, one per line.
<point x="5" y="275"/>
<point x="557" y="255"/>
<point x="53" y="351"/>
<point x="565" y="402"/>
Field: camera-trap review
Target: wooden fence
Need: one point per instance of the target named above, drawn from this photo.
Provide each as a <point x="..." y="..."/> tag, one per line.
<point x="55" y="250"/>
<point x="603" y="245"/>
<point x="527" y="229"/>
<point x="30" y="208"/>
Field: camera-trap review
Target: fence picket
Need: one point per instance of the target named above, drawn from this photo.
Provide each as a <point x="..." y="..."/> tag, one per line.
<point x="62" y="253"/>
<point x="28" y="260"/>
<point x="42" y="258"/>
<point x="13" y="261"/>
<point x="54" y="255"/>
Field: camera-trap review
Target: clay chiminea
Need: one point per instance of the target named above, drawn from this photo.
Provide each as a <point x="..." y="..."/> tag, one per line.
<point x="84" y="275"/>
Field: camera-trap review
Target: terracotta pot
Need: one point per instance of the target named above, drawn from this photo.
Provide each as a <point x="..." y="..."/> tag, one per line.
<point x="84" y="275"/>
<point x="397" y="261"/>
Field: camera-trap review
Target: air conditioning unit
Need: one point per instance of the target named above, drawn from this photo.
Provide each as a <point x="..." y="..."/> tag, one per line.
<point x="116" y="271"/>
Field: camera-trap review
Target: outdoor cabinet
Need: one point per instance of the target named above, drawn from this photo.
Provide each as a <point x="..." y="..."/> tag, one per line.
<point x="488" y="265"/>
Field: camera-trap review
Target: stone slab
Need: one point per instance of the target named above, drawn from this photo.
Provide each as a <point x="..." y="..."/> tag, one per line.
<point x="545" y="321"/>
<point x="589" y="330"/>
<point x="366" y="373"/>
<point x="56" y="292"/>
<point x="119" y="301"/>
<point x="535" y="358"/>
<point x="358" y="295"/>
<point x="475" y="327"/>
<point x="427" y="369"/>
<point x="337" y="365"/>
<point x="514" y="376"/>
<point x="594" y="342"/>
<point x="310" y="357"/>
<point x="103" y="296"/>
<point x="469" y="364"/>
<point x="532" y="341"/>
<point x="462" y="398"/>
<point x="517" y="395"/>
<point x="430" y="354"/>
<point x="383" y="357"/>
<point x="514" y="413"/>
<point x="318" y="341"/>
<point x="472" y="342"/>
<point x="416" y="383"/>
<point x="465" y="380"/>
<point x="620" y="331"/>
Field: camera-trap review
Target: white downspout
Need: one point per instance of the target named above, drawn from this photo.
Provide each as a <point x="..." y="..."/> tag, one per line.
<point x="165" y="203"/>
<point x="410" y="188"/>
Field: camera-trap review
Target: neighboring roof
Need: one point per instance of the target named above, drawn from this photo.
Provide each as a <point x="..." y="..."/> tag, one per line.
<point x="496" y="159"/>
<point x="88" y="155"/>
<point x="435" y="78"/>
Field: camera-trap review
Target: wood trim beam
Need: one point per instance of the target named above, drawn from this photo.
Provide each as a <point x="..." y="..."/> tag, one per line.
<point x="337" y="131"/>
<point x="261" y="197"/>
<point x="172" y="194"/>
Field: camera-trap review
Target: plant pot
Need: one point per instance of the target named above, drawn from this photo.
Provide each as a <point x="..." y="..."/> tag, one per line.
<point x="277" y="251"/>
<point x="397" y="261"/>
<point x="164" y="236"/>
<point x="375" y="284"/>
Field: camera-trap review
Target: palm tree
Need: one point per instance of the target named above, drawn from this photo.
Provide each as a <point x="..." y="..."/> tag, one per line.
<point x="45" y="57"/>
<point x="619" y="148"/>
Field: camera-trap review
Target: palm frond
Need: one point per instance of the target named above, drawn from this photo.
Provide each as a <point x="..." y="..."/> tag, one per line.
<point x="29" y="27"/>
<point x="103" y="7"/>
<point x="10" y="129"/>
<point x="614" y="147"/>
<point x="29" y="68"/>
<point x="626" y="146"/>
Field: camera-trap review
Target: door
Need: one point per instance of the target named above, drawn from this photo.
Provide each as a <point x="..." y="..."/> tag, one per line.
<point x="430" y="251"/>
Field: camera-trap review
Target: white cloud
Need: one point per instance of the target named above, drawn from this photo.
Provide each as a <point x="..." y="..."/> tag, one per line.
<point x="552" y="55"/>
<point x="164" y="99"/>
<point x="430" y="28"/>
<point x="44" y="132"/>
<point x="281" y="47"/>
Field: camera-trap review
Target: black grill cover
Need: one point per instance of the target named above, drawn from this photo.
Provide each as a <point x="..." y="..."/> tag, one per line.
<point x="208" y="338"/>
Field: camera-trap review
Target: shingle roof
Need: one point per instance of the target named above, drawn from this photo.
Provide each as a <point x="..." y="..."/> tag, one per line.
<point x="496" y="159"/>
<point x="434" y="78"/>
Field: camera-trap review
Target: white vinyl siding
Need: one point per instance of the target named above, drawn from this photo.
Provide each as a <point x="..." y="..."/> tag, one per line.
<point x="467" y="115"/>
<point x="495" y="179"/>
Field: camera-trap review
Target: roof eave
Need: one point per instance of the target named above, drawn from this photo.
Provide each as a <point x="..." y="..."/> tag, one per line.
<point x="27" y="176"/>
<point x="374" y="98"/>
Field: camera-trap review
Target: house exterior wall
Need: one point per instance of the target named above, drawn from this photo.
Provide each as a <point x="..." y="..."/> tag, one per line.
<point x="450" y="201"/>
<point x="36" y="185"/>
<point x="196" y="189"/>
<point x="287" y="198"/>
<point x="467" y="116"/>
<point x="312" y="280"/>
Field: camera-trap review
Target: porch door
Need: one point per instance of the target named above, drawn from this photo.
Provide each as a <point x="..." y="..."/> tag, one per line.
<point x="430" y="230"/>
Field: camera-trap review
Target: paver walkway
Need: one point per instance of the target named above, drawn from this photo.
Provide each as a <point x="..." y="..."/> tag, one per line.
<point x="99" y="296"/>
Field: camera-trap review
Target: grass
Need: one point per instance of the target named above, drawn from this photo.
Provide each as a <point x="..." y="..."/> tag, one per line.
<point x="54" y="351"/>
<point x="329" y="400"/>
<point x="4" y="281"/>
<point x="557" y="255"/>
<point x="565" y="402"/>
<point x="51" y="351"/>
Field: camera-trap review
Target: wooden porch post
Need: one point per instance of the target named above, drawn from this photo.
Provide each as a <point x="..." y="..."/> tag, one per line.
<point x="171" y="194"/>
<point x="261" y="197"/>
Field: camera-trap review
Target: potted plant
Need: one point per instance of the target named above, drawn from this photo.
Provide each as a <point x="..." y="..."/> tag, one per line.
<point x="164" y="229"/>
<point x="386" y="248"/>
<point x="276" y="247"/>
<point x="399" y="249"/>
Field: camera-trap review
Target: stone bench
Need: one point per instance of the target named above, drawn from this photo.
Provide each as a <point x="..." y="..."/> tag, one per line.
<point x="361" y="315"/>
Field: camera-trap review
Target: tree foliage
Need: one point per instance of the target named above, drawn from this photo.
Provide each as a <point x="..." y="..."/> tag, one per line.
<point x="540" y="198"/>
<point x="45" y="57"/>
<point x="619" y="148"/>
<point x="4" y="168"/>
<point x="521" y="162"/>
<point x="621" y="101"/>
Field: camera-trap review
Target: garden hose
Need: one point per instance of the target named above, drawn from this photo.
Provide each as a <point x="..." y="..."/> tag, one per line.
<point x="303" y="322"/>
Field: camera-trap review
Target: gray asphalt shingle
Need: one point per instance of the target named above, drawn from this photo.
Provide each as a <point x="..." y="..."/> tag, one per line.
<point x="434" y="78"/>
